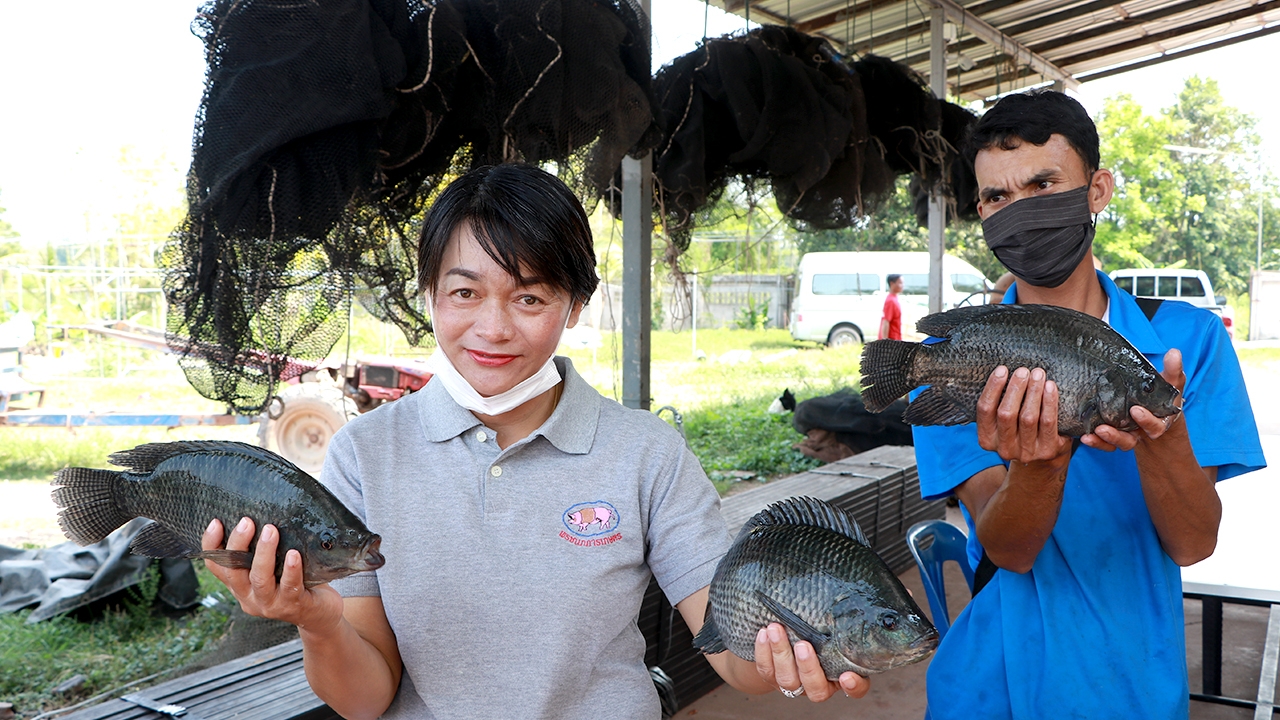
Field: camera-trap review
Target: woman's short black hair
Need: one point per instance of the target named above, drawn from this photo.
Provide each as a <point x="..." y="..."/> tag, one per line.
<point x="521" y="216"/>
<point x="1032" y="117"/>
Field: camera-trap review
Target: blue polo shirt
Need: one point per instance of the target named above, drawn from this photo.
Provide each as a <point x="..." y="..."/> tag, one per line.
<point x="1095" y="628"/>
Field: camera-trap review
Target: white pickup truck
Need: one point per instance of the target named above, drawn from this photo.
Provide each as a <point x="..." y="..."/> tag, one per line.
<point x="1190" y="286"/>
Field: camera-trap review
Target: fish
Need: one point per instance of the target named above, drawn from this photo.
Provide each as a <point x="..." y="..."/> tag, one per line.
<point x="1100" y="375"/>
<point x="805" y="563"/>
<point x="183" y="486"/>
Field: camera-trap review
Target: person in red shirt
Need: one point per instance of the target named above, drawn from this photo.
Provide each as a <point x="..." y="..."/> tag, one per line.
<point x="891" y="323"/>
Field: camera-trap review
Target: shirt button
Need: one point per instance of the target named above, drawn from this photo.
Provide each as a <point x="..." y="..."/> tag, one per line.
<point x="481" y="437"/>
<point x="495" y="471"/>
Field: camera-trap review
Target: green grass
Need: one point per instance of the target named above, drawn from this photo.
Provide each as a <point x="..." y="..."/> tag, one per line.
<point x="125" y="644"/>
<point x="1258" y="356"/>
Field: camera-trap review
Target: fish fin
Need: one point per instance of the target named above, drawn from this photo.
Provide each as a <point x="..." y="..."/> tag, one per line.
<point x="708" y="640"/>
<point x="933" y="407"/>
<point x="234" y="559"/>
<point x="794" y="622"/>
<point x="157" y="541"/>
<point x="886" y="372"/>
<point x="808" y="511"/>
<point x="942" y="324"/>
<point x="87" y="499"/>
<point x="145" y="458"/>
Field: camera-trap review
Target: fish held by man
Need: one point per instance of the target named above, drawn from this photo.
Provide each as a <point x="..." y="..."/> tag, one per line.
<point x="1099" y="374"/>
<point x="183" y="486"/>
<point x="805" y="564"/>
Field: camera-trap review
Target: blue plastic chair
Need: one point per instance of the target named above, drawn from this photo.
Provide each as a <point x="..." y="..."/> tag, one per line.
<point x="933" y="543"/>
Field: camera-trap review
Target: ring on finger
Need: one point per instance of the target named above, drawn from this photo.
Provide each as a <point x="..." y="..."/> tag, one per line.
<point x="791" y="693"/>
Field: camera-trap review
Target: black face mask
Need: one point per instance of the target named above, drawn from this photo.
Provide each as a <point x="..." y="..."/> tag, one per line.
<point x="1042" y="239"/>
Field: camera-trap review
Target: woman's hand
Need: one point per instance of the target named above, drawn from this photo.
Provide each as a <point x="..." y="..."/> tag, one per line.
<point x="318" y="609"/>
<point x="796" y="668"/>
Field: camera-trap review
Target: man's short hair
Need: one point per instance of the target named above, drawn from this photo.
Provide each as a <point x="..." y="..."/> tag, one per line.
<point x="520" y="215"/>
<point x="891" y="279"/>
<point x="1032" y="117"/>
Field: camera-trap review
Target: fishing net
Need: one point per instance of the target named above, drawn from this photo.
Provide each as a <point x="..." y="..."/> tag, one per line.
<point x="775" y="105"/>
<point x="960" y="186"/>
<point x="325" y="130"/>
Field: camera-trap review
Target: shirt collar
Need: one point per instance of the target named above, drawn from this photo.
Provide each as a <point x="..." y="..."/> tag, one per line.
<point x="571" y="427"/>
<point x="1126" y="317"/>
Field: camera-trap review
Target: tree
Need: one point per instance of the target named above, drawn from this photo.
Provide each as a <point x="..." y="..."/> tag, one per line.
<point x="1188" y="186"/>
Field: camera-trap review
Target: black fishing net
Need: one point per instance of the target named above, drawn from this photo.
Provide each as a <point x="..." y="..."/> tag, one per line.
<point x="960" y="186"/>
<point x="775" y="105"/>
<point x="325" y="130"/>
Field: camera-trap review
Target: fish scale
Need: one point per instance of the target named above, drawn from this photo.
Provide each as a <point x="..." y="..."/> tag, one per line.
<point x="183" y="486"/>
<point x="805" y="564"/>
<point x="1099" y="374"/>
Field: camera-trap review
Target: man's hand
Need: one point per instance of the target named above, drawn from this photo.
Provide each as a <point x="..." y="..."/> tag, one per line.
<point x="1150" y="427"/>
<point x="318" y="609"/>
<point x="1018" y="417"/>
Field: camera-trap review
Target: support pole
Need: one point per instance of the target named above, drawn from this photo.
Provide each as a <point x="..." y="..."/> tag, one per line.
<point x="937" y="211"/>
<point x="637" y="255"/>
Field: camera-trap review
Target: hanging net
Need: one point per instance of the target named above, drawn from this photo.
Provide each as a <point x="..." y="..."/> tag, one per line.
<point x="775" y="105"/>
<point x="325" y="130"/>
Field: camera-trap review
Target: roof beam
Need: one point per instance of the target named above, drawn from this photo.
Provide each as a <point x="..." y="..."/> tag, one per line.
<point x="1177" y="32"/>
<point x="1179" y="54"/>
<point x="1021" y="54"/>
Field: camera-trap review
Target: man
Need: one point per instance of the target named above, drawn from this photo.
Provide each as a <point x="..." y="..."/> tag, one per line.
<point x="891" y="320"/>
<point x="1079" y="543"/>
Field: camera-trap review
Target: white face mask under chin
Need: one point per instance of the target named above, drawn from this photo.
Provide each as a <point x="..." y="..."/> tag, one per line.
<point x="466" y="396"/>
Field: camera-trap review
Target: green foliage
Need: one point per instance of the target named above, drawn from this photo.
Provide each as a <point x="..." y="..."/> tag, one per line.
<point x="755" y="316"/>
<point x="894" y="226"/>
<point x="743" y="436"/>
<point x="117" y="648"/>
<point x="6" y="231"/>
<point x="1197" y="207"/>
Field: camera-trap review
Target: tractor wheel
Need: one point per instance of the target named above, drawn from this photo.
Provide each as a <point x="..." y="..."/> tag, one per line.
<point x="300" y="421"/>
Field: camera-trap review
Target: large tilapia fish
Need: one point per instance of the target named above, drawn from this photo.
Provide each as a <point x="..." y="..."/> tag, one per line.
<point x="183" y="486"/>
<point x="1099" y="374"/>
<point x="806" y="564"/>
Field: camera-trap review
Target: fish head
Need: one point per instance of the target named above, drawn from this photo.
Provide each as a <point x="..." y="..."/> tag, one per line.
<point x="1119" y="391"/>
<point x="336" y="552"/>
<point x="879" y="628"/>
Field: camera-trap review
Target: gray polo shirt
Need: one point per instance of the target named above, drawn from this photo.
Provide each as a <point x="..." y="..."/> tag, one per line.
<point x="514" y="577"/>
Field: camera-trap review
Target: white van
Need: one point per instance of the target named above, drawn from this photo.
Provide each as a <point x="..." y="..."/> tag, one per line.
<point x="1189" y="286"/>
<point x="839" y="296"/>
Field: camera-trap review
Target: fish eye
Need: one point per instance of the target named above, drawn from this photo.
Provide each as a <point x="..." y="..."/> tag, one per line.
<point x="326" y="540"/>
<point x="889" y="621"/>
<point x="1148" y="386"/>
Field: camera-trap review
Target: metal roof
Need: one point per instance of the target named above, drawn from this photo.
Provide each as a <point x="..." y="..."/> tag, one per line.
<point x="1005" y="45"/>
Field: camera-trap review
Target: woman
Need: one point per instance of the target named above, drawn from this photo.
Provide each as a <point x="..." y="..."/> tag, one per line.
<point x="522" y="514"/>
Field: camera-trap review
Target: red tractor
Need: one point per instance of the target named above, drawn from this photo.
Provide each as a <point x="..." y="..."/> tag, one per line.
<point x="301" y="418"/>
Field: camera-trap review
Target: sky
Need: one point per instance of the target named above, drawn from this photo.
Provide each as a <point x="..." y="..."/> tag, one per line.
<point x="78" y="87"/>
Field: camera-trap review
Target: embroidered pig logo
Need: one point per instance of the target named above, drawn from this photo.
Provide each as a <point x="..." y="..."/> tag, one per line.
<point x="586" y="517"/>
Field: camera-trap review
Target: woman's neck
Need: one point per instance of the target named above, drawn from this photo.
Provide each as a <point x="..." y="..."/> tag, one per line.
<point x="516" y="424"/>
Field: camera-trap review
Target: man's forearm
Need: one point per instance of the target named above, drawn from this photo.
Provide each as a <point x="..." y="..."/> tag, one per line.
<point x="1180" y="495"/>
<point x="1017" y="521"/>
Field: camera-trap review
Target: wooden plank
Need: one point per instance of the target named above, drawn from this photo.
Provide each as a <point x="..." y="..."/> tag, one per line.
<point x="271" y="671"/>
<point x="1270" y="659"/>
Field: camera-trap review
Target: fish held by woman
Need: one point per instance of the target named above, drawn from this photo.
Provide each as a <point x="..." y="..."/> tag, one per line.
<point x="183" y="486"/>
<point x="805" y="564"/>
<point x="1100" y="375"/>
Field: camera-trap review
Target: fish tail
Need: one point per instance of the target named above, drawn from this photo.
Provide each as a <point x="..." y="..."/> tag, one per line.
<point x="87" y="499"/>
<point x="886" y="372"/>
